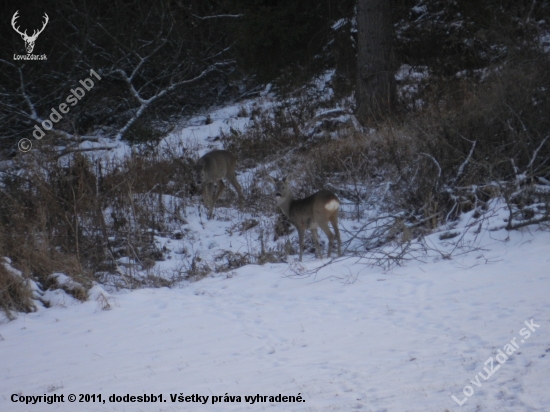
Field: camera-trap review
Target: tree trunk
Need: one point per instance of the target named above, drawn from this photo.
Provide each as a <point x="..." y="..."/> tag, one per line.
<point x="375" y="94"/>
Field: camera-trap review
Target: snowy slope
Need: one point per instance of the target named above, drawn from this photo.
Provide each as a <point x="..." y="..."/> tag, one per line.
<point x="351" y="337"/>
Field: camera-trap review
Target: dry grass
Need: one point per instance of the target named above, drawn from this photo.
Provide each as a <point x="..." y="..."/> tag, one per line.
<point x="77" y="218"/>
<point x="15" y="294"/>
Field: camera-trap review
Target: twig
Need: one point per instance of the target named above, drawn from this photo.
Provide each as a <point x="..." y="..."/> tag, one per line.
<point x="536" y="152"/>
<point x="463" y="165"/>
<point x="437" y="164"/>
<point x="219" y="16"/>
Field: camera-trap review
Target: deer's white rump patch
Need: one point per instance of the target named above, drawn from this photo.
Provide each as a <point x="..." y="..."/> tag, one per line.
<point x="332" y="205"/>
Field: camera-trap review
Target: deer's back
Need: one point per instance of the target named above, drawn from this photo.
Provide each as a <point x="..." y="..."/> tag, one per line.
<point x="320" y="206"/>
<point x="217" y="163"/>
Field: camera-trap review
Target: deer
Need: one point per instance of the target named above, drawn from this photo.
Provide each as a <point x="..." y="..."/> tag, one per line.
<point x="29" y="40"/>
<point x="212" y="168"/>
<point x="309" y="213"/>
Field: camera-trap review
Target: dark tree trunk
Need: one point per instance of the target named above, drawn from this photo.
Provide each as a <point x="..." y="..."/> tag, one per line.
<point x="375" y="95"/>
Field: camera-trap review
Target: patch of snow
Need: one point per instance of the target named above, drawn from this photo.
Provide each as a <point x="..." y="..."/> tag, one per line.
<point x="339" y="23"/>
<point x="420" y="9"/>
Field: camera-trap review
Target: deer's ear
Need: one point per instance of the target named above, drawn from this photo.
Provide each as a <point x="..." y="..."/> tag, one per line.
<point x="285" y="179"/>
<point x="270" y="179"/>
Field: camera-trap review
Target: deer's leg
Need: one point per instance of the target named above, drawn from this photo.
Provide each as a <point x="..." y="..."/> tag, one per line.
<point x="329" y="234"/>
<point x="205" y="195"/>
<point x="301" y="240"/>
<point x="207" y="192"/>
<point x="221" y="188"/>
<point x="334" y="223"/>
<point x="315" y="236"/>
<point x="232" y="177"/>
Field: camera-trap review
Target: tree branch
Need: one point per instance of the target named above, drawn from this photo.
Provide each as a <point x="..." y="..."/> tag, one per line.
<point x="219" y="16"/>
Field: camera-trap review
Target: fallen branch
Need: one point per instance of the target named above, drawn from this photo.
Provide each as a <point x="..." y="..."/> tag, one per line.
<point x="519" y="225"/>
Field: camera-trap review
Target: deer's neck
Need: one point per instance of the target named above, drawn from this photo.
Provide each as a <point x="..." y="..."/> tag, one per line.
<point x="285" y="205"/>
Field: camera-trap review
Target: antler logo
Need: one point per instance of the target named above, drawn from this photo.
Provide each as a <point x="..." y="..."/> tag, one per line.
<point x="29" y="40"/>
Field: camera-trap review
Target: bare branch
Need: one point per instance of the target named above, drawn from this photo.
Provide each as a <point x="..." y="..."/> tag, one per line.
<point x="145" y="103"/>
<point x="463" y="165"/>
<point x="34" y="116"/>
<point x="536" y="152"/>
<point x="219" y="16"/>
<point x="436" y="163"/>
<point x="545" y="218"/>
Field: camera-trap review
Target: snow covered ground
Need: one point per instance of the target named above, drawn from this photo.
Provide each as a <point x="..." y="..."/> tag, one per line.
<point x="350" y="337"/>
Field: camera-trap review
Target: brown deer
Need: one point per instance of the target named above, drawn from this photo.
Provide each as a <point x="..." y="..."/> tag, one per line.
<point x="212" y="168"/>
<point x="310" y="213"/>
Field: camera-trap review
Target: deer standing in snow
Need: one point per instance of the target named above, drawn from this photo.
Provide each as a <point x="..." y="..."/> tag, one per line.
<point x="309" y="213"/>
<point x="211" y="168"/>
